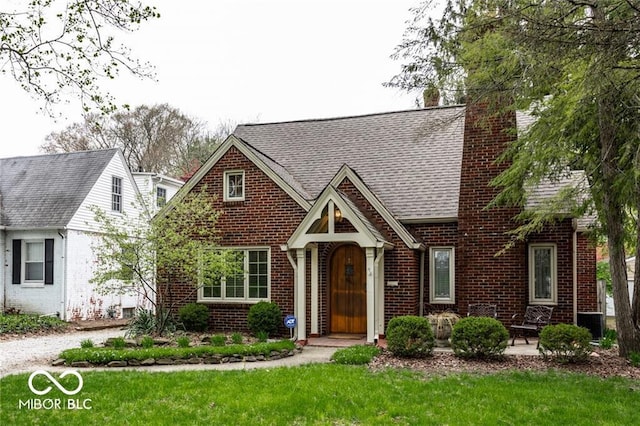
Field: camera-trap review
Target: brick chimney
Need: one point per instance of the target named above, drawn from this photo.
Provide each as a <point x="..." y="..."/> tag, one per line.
<point x="431" y="96"/>
<point x="483" y="276"/>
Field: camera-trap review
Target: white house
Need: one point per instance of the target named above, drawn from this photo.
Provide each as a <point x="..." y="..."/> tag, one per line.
<point x="156" y="189"/>
<point x="47" y="230"/>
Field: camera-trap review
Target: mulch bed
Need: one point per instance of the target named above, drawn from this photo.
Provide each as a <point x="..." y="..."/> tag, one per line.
<point x="602" y="363"/>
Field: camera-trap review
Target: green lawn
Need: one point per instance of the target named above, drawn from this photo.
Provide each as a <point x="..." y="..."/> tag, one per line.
<point x="327" y="394"/>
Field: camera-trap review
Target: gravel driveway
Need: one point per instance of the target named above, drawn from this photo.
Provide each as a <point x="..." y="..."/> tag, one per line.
<point x="27" y="354"/>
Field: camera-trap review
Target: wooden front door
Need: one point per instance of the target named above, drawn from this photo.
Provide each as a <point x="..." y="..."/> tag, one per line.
<point x="348" y="290"/>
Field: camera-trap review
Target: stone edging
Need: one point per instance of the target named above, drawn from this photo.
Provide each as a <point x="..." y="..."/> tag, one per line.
<point x="209" y="359"/>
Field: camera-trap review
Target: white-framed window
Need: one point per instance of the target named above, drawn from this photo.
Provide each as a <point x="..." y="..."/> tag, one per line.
<point x="116" y="194"/>
<point x="161" y="196"/>
<point x="441" y="275"/>
<point x="543" y="274"/>
<point x="249" y="281"/>
<point x="234" y="185"/>
<point x="33" y="261"/>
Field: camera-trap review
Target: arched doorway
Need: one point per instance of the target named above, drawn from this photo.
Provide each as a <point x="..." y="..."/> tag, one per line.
<point x="348" y="290"/>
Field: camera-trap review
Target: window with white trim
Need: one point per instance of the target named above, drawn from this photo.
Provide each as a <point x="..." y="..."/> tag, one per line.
<point x="116" y="194"/>
<point x="161" y="196"/>
<point x="543" y="276"/>
<point x="249" y="281"/>
<point x="34" y="261"/>
<point x="234" y="185"/>
<point x="441" y="275"/>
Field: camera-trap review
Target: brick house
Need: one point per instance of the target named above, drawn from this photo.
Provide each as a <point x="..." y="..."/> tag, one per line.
<point x="348" y="222"/>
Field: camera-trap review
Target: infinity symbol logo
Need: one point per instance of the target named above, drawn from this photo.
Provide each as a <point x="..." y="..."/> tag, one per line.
<point x="55" y="382"/>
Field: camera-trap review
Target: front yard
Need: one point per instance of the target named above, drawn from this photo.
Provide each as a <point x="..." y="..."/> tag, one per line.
<point x="326" y="394"/>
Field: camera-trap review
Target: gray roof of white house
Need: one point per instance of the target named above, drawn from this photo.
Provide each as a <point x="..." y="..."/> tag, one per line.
<point x="410" y="159"/>
<point x="45" y="191"/>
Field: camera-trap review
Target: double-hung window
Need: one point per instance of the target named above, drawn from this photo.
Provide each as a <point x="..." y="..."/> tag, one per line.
<point x="441" y="275"/>
<point x="161" y="196"/>
<point x="32" y="262"/>
<point x="234" y="185"/>
<point x="543" y="277"/>
<point x="248" y="277"/>
<point x="116" y="194"/>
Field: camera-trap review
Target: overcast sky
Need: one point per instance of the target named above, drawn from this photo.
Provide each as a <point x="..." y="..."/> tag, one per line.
<point x="246" y="61"/>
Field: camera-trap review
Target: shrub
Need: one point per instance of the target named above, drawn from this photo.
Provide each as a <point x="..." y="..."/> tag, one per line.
<point x="147" y="342"/>
<point x="183" y="341"/>
<point x="262" y="336"/>
<point x="87" y="343"/>
<point x="355" y="355"/>
<point x="237" y="338"/>
<point x="634" y="359"/>
<point x="565" y="342"/>
<point x="194" y="316"/>
<point x="410" y="336"/>
<point x="479" y="337"/>
<point x="143" y="322"/>
<point x="218" y="340"/>
<point x="119" y="343"/>
<point x="265" y="317"/>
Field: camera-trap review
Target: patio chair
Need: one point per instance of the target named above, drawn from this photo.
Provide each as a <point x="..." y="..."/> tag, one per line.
<point x="482" y="310"/>
<point x="535" y="318"/>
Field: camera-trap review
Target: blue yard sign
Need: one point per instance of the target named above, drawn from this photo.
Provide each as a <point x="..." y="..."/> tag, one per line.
<point x="290" y="321"/>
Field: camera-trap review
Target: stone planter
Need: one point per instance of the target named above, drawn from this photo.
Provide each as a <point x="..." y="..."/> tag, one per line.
<point x="442" y="324"/>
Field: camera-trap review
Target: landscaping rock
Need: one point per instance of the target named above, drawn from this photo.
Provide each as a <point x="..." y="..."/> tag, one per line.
<point x="274" y="354"/>
<point x="130" y="343"/>
<point x="81" y="364"/>
<point x="250" y="359"/>
<point x="148" y="361"/>
<point x="162" y="341"/>
<point x="58" y="362"/>
<point x="165" y="361"/>
<point x="195" y="360"/>
<point x="134" y="362"/>
<point x="234" y="359"/>
<point x="117" y="364"/>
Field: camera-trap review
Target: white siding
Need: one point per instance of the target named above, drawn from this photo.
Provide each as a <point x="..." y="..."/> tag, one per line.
<point x="83" y="300"/>
<point x="100" y="196"/>
<point x="149" y="182"/>
<point x="42" y="299"/>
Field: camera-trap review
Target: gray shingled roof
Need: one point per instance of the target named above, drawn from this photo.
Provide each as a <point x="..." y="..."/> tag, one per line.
<point x="410" y="159"/>
<point x="46" y="190"/>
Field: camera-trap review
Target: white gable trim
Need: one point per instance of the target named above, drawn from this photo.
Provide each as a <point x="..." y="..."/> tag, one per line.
<point x="363" y="237"/>
<point x="233" y="141"/>
<point x="346" y="172"/>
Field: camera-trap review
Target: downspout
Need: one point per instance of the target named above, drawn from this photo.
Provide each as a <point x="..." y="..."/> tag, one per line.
<point x="421" y="307"/>
<point x="294" y="265"/>
<point x="376" y="269"/>
<point x="575" y="270"/>
<point x="63" y="264"/>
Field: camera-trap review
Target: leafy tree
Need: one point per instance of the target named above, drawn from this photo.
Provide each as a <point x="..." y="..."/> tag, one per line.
<point x="133" y="257"/>
<point x="156" y="138"/>
<point x="49" y="46"/>
<point x="575" y="67"/>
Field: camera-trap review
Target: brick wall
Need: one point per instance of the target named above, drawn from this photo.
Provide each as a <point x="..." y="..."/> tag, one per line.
<point x="401" y="264"/>
<point x="267" y="217"/>
<point x="481" y="276"/>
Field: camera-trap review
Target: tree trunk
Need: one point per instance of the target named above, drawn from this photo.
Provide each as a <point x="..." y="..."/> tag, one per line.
<point x="613" y="213"/>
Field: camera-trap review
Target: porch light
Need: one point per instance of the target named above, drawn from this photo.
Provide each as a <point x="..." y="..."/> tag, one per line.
<point x="337" y="214"/>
